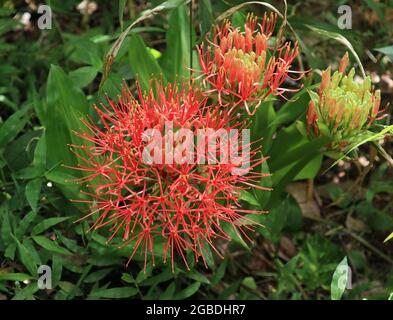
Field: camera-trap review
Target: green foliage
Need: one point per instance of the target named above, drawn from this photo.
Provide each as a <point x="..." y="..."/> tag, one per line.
<point x="50" y="80"/>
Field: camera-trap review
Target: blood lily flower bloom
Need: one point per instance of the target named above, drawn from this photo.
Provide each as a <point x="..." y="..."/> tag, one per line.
<point x="243" y="67"/>
<point x="181" y="205"/>
<point x="343" y="108"/>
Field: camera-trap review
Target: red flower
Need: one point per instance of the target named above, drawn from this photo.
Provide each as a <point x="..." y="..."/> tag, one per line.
<point x="183" y="204"/>
<point x="242" y="65"/>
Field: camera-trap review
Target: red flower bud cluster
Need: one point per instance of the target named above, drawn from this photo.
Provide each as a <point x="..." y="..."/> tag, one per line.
<point x="245" y="67"/>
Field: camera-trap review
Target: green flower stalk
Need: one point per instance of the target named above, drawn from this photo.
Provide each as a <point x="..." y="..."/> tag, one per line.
<point x="343" y="108"/>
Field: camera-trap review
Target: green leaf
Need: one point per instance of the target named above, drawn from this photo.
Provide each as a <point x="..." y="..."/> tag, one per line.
<point x="114" y="293"/>
<point x="13" y="125"/>
<point x="311" y="170"/>
<point x="25" y="257"/>
<point x="57" y="268"/>
<point x="20" y="152"/>
<point x="83" y="76"/>
<point x="24" y="224"/>
<point x="122" y="4"/>
<point x="39" y="160"/>
<point x="249" y="282"/>
<point x="260" y="128"/>
<point x="176" y="58"/>
<point x="96" y="276"/>
<point x="205" y="15"/>
<point x="169" y="292"/>
<point x="194" y="275"/>
<point x="234" y="234"/>
<point x="387" y="51"/>
<point x="5" y="226"/>
<point x="249" y="197"/>
<point x="295" y="107"/>
<point x="142" y="63"/>
<point x="50" y="245"/>
<point x="15" y="277"/>
<point x="66" y="104"/>
<point x="46" y="224"/>
<point x="219" y="273"/>
<point x="340" y="280"/>
<point x="188" y="292"/>
<point x="32" y="192"/>
<point x="26" y="293"/>
<point x="159" y="278"/>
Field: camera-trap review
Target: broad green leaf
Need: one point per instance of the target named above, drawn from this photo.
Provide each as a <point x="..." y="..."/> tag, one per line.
<point x="340" y="280"/>
<point x="284" y="215"/>
<point x="219" y="273"/>
<point x="15" y="277"/>
<point x="85" y="51"/>
<point x="39" y="160"/>
<point x="169" y="292"/>
<point x="114" y="293"/>
<point x="127" y="277"/>
<point x="13" y="125"/>
<point x="260" y="128"/>
<point x="50" y="245"/>
<point x="205" y="15"/>
<point x="24" y="224"/>
<point x="195" y="275"/>
<point x="295" y="107"/>
<point x="20" y="152"/>
<point x="66" y="104"/>
<point x="249" y="197"/>
<point x="161" y="277"/>
<point x="76" y="289"/>
<point x="46" y="224"/>
<point x="188" y="292"/>
<point x="142" y="63"/>
<point x="234" y="234"/>
<point x="32" y="192"/>
<point x="27" y="292"/>
<point x="263" y="196"/>
<point x="57" y="268"/>
<point x="25" y="257"/>
<point x="122" y="4"/>
<point x="249" y="282"/>
<point x="177" y="57"/>
<point x="96" y="276"/>
<point x="83" y="76"/>
<point x="10" y="251"/>
<point x="5" y="226"/>
<point x="311" y="170"/>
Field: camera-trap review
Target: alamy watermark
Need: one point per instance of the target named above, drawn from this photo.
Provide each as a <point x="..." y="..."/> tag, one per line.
<point x="45" y="20"/>
<point x="345" y="19"/>
<point x="45" y="277"/>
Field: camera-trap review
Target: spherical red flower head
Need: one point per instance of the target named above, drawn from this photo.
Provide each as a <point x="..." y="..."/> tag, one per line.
<point x="183" y="197"/>
<point x="242" y="66"/>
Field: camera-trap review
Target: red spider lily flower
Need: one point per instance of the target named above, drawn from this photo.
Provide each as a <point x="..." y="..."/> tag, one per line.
<point x="183" y="204"/>
<point x="242" y="65"/>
